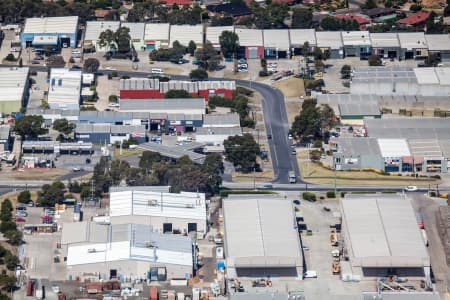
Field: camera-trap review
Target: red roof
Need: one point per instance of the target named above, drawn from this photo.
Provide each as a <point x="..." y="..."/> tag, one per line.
<point x="177" y="2"/>
<point x="416" y="18"/>
<point x="357" y="18"/>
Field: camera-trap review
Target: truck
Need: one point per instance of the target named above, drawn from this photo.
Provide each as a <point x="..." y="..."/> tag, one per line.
<point x="292" y="177"/>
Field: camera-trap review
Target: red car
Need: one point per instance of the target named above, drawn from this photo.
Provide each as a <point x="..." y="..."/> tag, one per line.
<point x="20" y="220"/>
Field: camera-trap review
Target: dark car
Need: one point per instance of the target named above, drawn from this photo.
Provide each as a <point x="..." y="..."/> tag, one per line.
<point x="76" y="67"/>
<point x="35" y="62"/>
<point x="269" y="136"/>
<point x="296" y="202"/>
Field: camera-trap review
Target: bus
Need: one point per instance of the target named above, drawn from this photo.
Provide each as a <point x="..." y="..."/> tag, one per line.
<point x="292" y="177"/>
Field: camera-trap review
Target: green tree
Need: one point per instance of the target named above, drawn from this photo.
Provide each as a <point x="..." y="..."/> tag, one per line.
<point x="14" y="237"/>
<point x="213" y="166"/>
<point x="242" y="151"/>
<point x="225" y="20"/>
<point x="63" y="126"/>
<point x="118" y="171"/>
<point x="7" y="226"/>
<point x="10" y="57"/>
<point x="122" y="39"/>
<point x="50" y="195"/>
<point x="346" y="71"/>
<point x="55" y="61"/>
<point x="177" y="94"/>
<point x="106" y="39"/>
<point x="91" y="65"/>
<point x="198" y="74"/>
<point x="229" y="43"/>
<point x="208" y="57"/>
<point x="415" y="7"/>
<point x="307" y="124"/>
<point x="24" y="197"/>
<point x="30" y="126"/>
<point x="148" y="159"/>
<point x="8" y="282"/>
<point x="374" y="60"/>
<point x="191" y="47"/>
<point x="11" y="261"/>
<point x="301" y="18"/>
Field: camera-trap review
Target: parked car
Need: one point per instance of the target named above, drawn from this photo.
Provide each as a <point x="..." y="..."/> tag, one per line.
<point x="296" y="202"/>
<point x="76" y="169"/>
<point x="114" y="104"/>
<point x="21" y="213"/>
<point x="411" y="188"/>
<point x="310" y="274"/>
<point x="30" y="204"/>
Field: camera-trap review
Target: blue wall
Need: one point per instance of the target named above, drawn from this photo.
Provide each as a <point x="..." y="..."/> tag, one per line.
<point x="24" y="37"/>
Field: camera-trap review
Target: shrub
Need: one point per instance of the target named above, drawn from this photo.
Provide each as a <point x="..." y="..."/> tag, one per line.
<point x="24" y="197"/>
<point x="33" y="73"/>
<point x="321" y="197"/>
<point x="432" y="194"/>
<point x="331" y="194"/>
<point x="388" y="191"/>
<point x="343" y="194"/>
<point x="114" y="74"/>
<point x="113" y="98"/>
<point x="244" y="91"/>
<point x="10" y="57"/>
<point x="318" y="144"/>
<point x="125" y="77"/>
<point x="308" y="196"/>
<point x="71" y="60"/>
<point x="436" y="176"/>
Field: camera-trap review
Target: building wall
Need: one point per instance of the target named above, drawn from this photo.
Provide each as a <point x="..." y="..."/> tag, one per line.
<point x="28" y="37"/>
<point x="94" y="137"/>
<point x="259" y="51"/>
<point x="385" y="50"/>
<point x="127" y="268"/>
<point x="8" y="107"/>
<point x="138" y="44"/>
<point x="357" y="51"/>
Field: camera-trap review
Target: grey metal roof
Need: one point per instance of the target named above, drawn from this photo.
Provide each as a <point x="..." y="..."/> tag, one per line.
<point x="397" y="295"/>
<point x="128" y="129"/>
<point x="261" y="232"/>
<point x="358" y="146"/>
<point x="334" y="100"/>
<point x="83" y="232"/>
<point x="139" y="84"/>
<point x="136" y="29"/>
<point x="172" y="152"/>
<point x="221" y="120"/>
<point x="13" y="81"/>
<point x="163" y="105"/>
<point x="231" y="131"/>
<point x="5" y="131"/>
<point x="412" y="40"/>
<point x="51" y="25"/>
<point x="445" y="148"/>
<point x="382" y="231"/>
<point x="91" y="128"/>
<point x="263" y="295"/>
<point x="409" y="128"/>
<point x="438" y="42"/>
<point x="276" y="38"/>
<point x="383" y="74"/>
<point x="425" y="147"/>
<point x="385" y="40"/>
<point x="359" y="109"/>
<point x="329" y="39"/>
<point x="156" y="188"/>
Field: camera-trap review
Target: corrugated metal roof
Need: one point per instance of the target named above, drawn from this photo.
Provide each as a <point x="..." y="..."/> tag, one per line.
<point x="394" y="147"/>
<point x="425" y="147"/>
<point x="329" y="39"/>
<point x="12" y="83"/>
<point x="409" y="128"/>
<point x="230" y="131"/>
<point x="356" y="38"/>
<point x="128" y="129"/>
<point x="94" y="28"/>
<point x="276" y="38"/>
<point x="231" y="119"/>
<point x="139" y="84"/>
<point x="157" y="188"/>
<point x="214" y="32"/>
<point x="359" y="109"/>
<point x="172" y="152"/>
<point x="186" y="33"/>
<point x="382" y="40"/>
<point x="136" y="30"/>
<point x="426" y="76"/>
<point x="412" y="40"/>
<point x="398" y="295"/>
<point x="164" y="105"/>
<point x="358" y="146"/>
<point x="249" y="37"/>
<point x="157" y="31"/>
<point x="298" y="37"/>
<point x="382" y="230"/>
<point x="261" y="232"/>
<point x="64" y="88"/>
<point x="51" y="25"/>
<point x="438" y="42"/>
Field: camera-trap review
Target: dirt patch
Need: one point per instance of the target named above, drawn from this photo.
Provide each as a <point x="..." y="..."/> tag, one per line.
<point x="12" y="196"/>
<point x="291" y="87"/>
<point x="266" y="175"/>
<point x="293" y="107"/>
<point x="39" y="174"/>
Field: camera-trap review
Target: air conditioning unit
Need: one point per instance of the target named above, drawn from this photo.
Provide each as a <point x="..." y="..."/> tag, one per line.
<point x="189" y="205"/>
<point x="92" y="250"/>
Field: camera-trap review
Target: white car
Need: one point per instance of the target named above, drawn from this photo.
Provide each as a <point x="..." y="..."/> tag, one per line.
<point x="411" y="188"/>
<point x="113" y="104"/>
<point x="310" y="274"/>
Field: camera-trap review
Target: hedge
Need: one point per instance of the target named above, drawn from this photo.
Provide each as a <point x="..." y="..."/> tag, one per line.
<point x="308" y="196"/>
<point x="331" y="194"/>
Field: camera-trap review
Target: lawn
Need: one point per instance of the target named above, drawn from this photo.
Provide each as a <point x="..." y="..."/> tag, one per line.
<point x="266" y="175"/>
<point x="40" y="174"/>
<point x="126" y="152"/>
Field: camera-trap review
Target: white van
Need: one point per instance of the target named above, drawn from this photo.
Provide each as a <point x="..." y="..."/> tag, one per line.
<point x="157" y="71"/>
<point x="219" y="253"/>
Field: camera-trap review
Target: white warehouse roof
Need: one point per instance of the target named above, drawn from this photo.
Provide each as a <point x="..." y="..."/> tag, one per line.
<point x="250" y="37"/>
<point x="381" y="40"/>
<point x="412" y="40"/>
<point x="438" y="42"/>
<point x="356" y="38"/>
<point x="51" y="25"/>
<point x="186" y="33"/>
<point x="64" y="88"/>
<point x="214" y="32"/>
<point x="261" y="232"/>
<point x="394" y="147"/>
<point x="94" y="28"/>
<point x="167" y="205"/>
<point x="329" y="39"/>
<point x="276" y="38"/>
<point x="382" y="231"/>
<point x="136" y="30"/>
<point x="157" y="31"/>
<point x="300" y="36"/>
<point x="12" y="83"/>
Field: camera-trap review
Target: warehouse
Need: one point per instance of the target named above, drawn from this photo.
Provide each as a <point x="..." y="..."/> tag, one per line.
<point x="5" y="138"/>
<point x="261" y="238"/>
<point x="413" y="45"/>
<point x="57" y="147"/>
<point x="221" y="120"/>
<point x="186" y="33"/>
<point x="194" y="106"/>
<point x="439" y="44"/>
<point x="351" y="108"/>
<point x="331" y="42"/>
<point x="14" y="89"/>
<point x="213" y="34"/>
<point x="177" y="213"/>
<point x="276" y="43"/>
<point x="64" y="89"/>
<point x="121" y="133"/>
<point x="93" y="31"/>
<point x="105" y="133"/>
<point x="137" y="35"/>
<point x="215" y="136"/>
<point x="393" y="151"/>
<point x="251" y="42"/>
<point x="357" y="154"/>
<point x="299" y="37"/>
<point x="385" y="45"/>
<point x="157" y="36"/>
<point x="120" y="251"/>
<point x="381" y="236"/>
<point x="175" y="152"/>
<point x="64" y="29"/>
<point x="357" y="43"/>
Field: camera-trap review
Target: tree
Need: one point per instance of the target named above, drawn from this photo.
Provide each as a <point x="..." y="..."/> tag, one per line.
<point x="198" y="75"/>
<point x="30" y="126"/>
<point x="213" y="165"/>
<point x="24" y="197"/>
<point x="118" y="171"/>
<point x="447" y="9"/>
<point x="14" y="237"/>
<point x="313" y="120"/>
<point x="301" y="18"/>
<point x="242" y="151"/>
<point x="415" y="7"/>
<point x="369" y="4"/>
<point x="10" y="57"/>
<point x="191" y="47"/>
<point x="346" y="71"/>
<point x="434" y="27"/>
<point x="229" y="43"/>
<point x="327" y="118"/>
<point x="225" y="20"/>
<point x="56" y="61"/>
<point x="148" y="159"/>
<point x="177" y="94"/>
<point x="50" y="195"/>
<point x="91" y="65"/>
<point x="374" y="60"/>
<point x="319" y="65"/>
<point x="208" y="57"/>
<point x="106" y="39"/>
<point x="8" y="282"/>
<point x="63" y="126"/>
<point x="122" y="39"/>
<point x="11" y="261"/>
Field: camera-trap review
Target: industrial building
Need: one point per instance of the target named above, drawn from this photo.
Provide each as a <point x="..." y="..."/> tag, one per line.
<point x="192" y="106"/>
<point x="413" y="45"/>
<point x="175" y="152"/>
<point x="5" y="138"/>
<point x="125" y="251"/>
<point x="186" y="33"/>
<point x="177" y="213"/>
<point x="276" y="43"/>
<point x="105" y="133"/>
<point x="137" y="31"/>
<point x="330" y="42"/>
<point x="357" y="154"/>
<point x="386" y="45"/>
<point x="57" y="148"/>
<point x="357" y="43"/>
<point x="64" y="89"/>
<point x="351" y="108"/>
<point x="157" y="36"/>
<point x="381" y="237"/>
<point x="216" y="135"/>
<point x="401" y="295"/>
<point x="251" y="42"/>
<point x="298" y="38"/>
<point x="261" y="238"/>
<point x="439" y="44"/>
<point x="213" y="34"/>
<point x="93" y="31"/>
<point x="395" y="81"/>
<point x="56" y="31"/>
<point x="221" y="120"/>
<point x="14" y="89"/>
